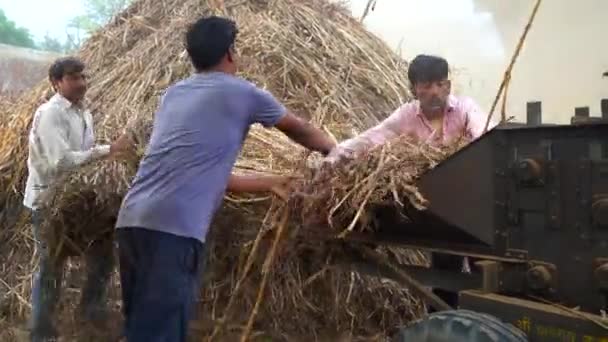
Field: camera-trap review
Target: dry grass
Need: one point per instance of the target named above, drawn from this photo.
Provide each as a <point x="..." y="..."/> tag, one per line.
<point x="313" y="56"/>
<point x="340" y="195"/>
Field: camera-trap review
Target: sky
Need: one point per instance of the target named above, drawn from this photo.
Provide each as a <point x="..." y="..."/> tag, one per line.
<point x="34" y="15"/>
<point x="561" y="62"/>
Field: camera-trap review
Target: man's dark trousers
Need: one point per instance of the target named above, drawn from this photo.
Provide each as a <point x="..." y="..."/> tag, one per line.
<point x="47" y="283"/>
<point x="159" y="275"/>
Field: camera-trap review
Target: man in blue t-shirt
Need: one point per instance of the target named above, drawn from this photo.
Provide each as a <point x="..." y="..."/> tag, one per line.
<point x="198" y="132"/>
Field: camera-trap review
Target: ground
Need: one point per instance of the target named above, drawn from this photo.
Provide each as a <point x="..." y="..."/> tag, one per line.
<point x="73" y="331"/>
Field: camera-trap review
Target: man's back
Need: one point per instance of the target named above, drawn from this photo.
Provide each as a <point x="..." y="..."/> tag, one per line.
<point x="198" y="132"/>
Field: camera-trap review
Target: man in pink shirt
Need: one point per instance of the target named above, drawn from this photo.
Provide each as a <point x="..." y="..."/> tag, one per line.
<point x="434" y="116"/>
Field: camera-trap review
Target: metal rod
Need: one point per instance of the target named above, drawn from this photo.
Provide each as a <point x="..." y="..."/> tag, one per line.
<point x="582" y="112"/>
<point x="534" y="113"/>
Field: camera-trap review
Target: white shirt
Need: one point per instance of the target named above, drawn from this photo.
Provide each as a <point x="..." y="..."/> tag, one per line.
<point x="61" y="139"/>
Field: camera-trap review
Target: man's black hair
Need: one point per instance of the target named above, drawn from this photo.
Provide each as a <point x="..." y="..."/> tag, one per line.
<point x="208" y="40"/>
<point x="426" y="68"/>
<point x="65" y="66"/>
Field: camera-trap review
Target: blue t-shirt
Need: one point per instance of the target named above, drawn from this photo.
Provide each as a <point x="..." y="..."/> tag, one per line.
<point x="198" y="132"/>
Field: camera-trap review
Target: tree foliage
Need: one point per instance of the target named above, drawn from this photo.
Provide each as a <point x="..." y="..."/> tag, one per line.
<point x="12" y="35"/>
<point x="98" y="13"/>
<point x="49" y="43"/>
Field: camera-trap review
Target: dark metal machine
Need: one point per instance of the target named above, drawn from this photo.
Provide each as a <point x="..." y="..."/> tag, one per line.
<point x="528" y="204"/>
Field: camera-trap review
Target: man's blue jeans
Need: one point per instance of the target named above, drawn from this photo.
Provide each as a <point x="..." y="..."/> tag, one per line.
<point x="47" y="283"/>
<point x="160" y="280"/>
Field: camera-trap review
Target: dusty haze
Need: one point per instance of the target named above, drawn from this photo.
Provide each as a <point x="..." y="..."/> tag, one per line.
<point x="21" y="68"/>
<point x="561" y="64"/>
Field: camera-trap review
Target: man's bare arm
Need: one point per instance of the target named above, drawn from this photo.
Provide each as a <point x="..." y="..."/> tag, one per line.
<point x="254" y="183"/>
<point x="305" y="134"/>
<point x="389" y="128"/>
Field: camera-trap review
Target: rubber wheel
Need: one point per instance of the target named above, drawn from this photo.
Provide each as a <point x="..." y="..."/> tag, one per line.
<point x="459" y="326"/>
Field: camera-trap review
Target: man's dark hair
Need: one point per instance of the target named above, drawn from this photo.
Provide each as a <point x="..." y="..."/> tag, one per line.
<point x="209" y="39"/>
<point x="426" y="68"/>
<point x="65" y="66"/>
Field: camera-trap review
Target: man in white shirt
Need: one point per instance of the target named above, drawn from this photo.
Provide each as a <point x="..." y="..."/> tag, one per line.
<point x="62" y="139"/>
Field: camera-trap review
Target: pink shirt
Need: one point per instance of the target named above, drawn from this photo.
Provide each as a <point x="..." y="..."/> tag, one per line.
<point x="462" y="115"/>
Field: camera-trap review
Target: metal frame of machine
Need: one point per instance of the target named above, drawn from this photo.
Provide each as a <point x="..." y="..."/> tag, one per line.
<point x="528" y="203"/>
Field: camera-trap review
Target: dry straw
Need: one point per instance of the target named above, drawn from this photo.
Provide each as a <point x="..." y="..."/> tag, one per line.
<point x="322" y="64"/>
<point x="342" y="195"/>
<point x="383" y="175"/>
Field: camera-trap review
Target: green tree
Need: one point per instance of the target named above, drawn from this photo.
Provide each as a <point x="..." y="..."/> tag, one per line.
<point x="13" y="35"/>
<point x="49" y="43"/>
<point x="98" y="13"/>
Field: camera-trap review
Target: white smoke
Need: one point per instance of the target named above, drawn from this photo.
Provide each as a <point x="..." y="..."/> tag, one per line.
<point x="561" y="64"/>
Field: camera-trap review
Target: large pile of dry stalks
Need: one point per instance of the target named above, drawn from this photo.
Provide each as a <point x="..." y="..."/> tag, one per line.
<point x="323" y="65"/>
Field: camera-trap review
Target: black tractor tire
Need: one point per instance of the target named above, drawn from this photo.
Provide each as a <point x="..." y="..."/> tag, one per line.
<point x="459" y="326"/>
